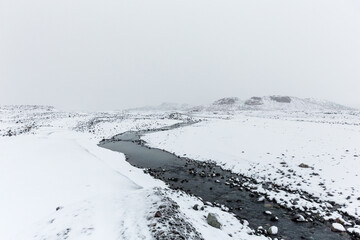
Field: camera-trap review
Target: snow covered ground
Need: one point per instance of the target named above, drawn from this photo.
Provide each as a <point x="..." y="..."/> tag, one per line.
<point x="56" y="183"/>
<point x="313" y="152"/>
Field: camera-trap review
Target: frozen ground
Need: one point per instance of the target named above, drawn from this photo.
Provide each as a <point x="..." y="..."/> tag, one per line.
<point x="56" y="183"/>
<point x="294" y="152"/>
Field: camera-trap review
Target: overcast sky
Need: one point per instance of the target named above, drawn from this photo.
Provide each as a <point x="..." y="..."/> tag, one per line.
<point x="114" y="54"/>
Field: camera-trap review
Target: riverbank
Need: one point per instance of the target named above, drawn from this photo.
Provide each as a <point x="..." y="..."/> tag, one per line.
<point x="296" y="154"/>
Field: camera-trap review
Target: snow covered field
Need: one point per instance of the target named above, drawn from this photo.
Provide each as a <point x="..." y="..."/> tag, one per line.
<point x="56" y="183"/>
<point x="313" y="152"/>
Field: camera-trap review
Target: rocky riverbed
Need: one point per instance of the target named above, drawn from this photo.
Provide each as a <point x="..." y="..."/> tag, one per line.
<point x="231" y="192"/>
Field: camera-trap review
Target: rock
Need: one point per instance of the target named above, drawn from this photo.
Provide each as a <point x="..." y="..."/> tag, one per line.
<point x="303" y="165"/>
<point x="260" y="230"/>
<point x="58" y="208"/>
<point x="158" y="214"/>
<point x="213" y="221"/>
<point x="298" y="218"/>
<point x="342" y="222"/>
<point x="273" y="230"/>
<point x="337" y="227"/>
<point x="354" y="231"/>
<point x="268" y="212"/>
<point x="261" y="199"/>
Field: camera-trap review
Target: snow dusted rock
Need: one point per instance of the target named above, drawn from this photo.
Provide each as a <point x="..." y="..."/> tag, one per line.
<point x="268" y="212"/>
<point x="260" y="230"/>
<point x="261" y="199"/>
<point x="273" y="230"/>
<point x="337" y="227"/>
<point x="354" y="231"/>
<point x="299" y="218"/>
<point x="342" y="221"/>
<point x="213" y="221"/>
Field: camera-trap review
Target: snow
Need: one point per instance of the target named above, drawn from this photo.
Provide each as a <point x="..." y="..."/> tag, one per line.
<point x="56" y="183"/>
<point x="274" y="146"/>
<point x="42" y="172"/>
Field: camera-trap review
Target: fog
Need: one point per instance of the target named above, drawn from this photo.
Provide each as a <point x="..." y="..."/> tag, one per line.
<point x="101" y="55"/>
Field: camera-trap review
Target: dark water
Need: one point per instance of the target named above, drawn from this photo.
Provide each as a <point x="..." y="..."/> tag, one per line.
<point x="219" y="186"/>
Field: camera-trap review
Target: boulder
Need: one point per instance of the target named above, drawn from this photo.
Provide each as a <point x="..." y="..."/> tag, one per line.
<point x="158" y="214"/>
<point x="213" y="221"/>
<point x="196" y="207"/>
<point x="303" y="165"/>
<point x="299" y="218"/>
<point x="273" y="230"/>
<point x="337" y="227"/>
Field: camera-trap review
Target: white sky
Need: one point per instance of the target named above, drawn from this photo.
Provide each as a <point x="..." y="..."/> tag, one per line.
<point x="113" y="54"/>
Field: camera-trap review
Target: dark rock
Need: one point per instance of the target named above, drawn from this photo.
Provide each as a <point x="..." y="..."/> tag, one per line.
<point x="213" y="221"/>
<point x="303" y="165"/>
<point x="158" y="214"/>
<point x="58" y="208"/>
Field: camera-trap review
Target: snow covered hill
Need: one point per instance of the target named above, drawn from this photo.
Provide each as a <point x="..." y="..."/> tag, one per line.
<point x="268" y="103"/>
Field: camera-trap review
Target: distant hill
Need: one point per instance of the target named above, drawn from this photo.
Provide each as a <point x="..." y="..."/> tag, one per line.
<point x="265" y="103"/>
<point x="276" y="102"/>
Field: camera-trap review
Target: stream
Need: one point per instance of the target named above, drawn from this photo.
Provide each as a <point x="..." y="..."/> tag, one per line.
<point x="216" y="186"/>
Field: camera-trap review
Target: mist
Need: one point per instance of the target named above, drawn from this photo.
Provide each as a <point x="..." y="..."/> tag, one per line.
<point x="101" y="55"/>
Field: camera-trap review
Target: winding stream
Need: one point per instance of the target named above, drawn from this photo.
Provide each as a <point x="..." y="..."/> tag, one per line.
<point x="217" y="186"/>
